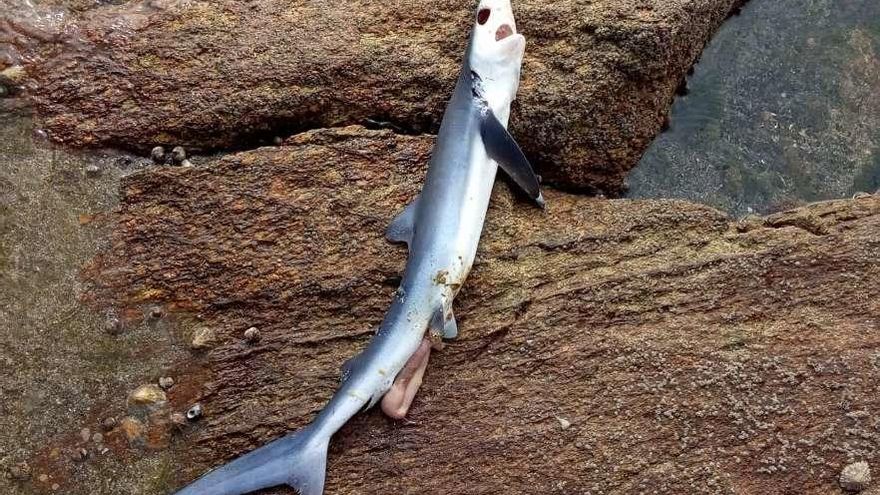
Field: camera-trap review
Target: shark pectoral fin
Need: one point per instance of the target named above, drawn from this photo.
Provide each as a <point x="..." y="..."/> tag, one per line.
<point x="402" y="227"/>
<point x="443" y="324"/>
<point x="501" y="147"/>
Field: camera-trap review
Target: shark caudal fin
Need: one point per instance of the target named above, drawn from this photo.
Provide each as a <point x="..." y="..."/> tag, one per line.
<point x="298" y="460"/>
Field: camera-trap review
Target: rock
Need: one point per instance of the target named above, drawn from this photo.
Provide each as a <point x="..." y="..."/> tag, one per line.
<point x="855" y="477"/>
<point x="179" y="421"/>
<point x="158" y="155"/>
<point x="616" y="312"/>
<point x="79" y="454"/>
<point x="166" y="382"/>
<point x="108" y="423"/>
<point x="85" y="434"/>
<point x="133" y="431"/>
<point x="112" y="325"/>
<point x="252" y="335"/>
<point x="563" y="423"/>
<point x="92" y="170"/>
<point x="44" y="478"/>
<point x="178" y="155"/>
<point x="98" y="438"/>
<point x="145" y="400"/>
<point x="203" y="338"/>
<point x="20" y="472"/>
<point x="597" y="82"/>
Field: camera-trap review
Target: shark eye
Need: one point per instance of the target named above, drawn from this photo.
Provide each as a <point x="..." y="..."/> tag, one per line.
<point x="483" y="16"/>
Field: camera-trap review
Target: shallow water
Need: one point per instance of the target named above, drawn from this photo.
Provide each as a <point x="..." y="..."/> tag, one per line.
<point x="783" y="109"/>
<point x="60" y="371"/>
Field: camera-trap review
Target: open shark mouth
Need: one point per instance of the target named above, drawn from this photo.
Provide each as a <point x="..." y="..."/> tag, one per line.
<point x="503" y="31"/>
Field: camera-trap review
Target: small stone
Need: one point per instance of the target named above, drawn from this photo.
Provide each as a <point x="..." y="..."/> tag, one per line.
<point x="92" y="170"/>
<point x="178" y="155"/>
<point x="108" y="423"/>
<point x="194" y="413"/>
<point x="277" y="140"/>
<point x="564" y="423"/>
<point x="179" y="420"/>
<point x="861" y="195"/>
<point x="186" y="164"/>
<point x="20" y="472"/>
<point x="98" y="438"/>
<point x="55" y="487"/>
<point x="166" y="382"/>
<point x="79" y="455"/>
<point x="112" y="325"/>
<point x="158" y="155"/>
<point x="855" y="477"/>
<point x="44" y="478"/>
<point x="85" y="434"/>
<point x="145" y="400"/>
<point x="252" y="335"/>
<point x="203" y="338"/>
<point x="133" y="430"/>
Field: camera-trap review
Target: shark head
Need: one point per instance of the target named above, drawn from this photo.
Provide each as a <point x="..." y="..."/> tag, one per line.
<point x="496" y="54"/>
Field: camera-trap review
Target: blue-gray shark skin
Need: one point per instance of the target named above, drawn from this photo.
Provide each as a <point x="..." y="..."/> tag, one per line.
<point x="442" y="228"/>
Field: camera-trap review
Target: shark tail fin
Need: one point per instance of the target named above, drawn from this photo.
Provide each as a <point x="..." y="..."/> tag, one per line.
<point x="298" y="460"/>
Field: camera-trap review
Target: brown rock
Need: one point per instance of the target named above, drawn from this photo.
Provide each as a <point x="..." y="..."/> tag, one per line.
<point x="158" y="431"/>
<point x="684" y="352"/>
<point x="179" y="422"/>
<point x="108" y="423"/>
<point x="252" y="335"/>
<point x="133" y="431"/>
<point x="597" y="82"/>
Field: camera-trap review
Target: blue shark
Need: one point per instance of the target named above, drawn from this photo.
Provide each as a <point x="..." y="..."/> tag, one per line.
<point x="442" y="228"/>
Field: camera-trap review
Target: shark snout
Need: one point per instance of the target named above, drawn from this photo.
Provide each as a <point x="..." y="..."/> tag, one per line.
<point x="497" y="16"/>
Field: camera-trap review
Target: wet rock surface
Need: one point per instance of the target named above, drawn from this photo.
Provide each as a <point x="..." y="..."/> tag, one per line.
<point x="686" y="352"/>
<point x="598" y="78"/>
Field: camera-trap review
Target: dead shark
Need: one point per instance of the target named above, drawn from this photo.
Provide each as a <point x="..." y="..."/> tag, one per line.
<point x="442" y="228"/>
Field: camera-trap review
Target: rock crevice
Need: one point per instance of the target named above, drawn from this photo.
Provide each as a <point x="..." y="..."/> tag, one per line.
<point x="598" y="78"/>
